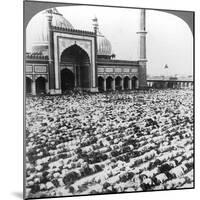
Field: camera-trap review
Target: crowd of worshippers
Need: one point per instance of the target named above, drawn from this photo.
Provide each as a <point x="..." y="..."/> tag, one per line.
<point x="109" y="142"/>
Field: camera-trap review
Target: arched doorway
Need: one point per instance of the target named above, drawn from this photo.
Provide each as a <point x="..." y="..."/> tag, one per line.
<point x="126" y="82"/>
<point x="78" y="60"/>
<point x="100" y="83"/>
<point x="28" y="85"/>
<point x="134" y="82"/>
<point x="40" y="85"/>
<point x="109" y="82"/>
<point x="67" y="80"/>
<point x="118" y="83"/>
<point x="169" y="84"/>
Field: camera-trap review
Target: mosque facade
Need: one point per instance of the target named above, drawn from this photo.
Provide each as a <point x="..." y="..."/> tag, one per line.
<point x="63" y="58"/>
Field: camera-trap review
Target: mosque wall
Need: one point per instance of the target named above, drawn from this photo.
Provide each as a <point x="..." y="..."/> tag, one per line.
<point x="60" y="36"/>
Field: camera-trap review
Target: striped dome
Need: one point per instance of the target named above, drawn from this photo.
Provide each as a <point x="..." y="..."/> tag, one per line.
<point x="38" y="29"/>
<point x="103" y="45"/>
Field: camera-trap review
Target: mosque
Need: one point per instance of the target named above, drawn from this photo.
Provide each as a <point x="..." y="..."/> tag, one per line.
<point x="63" y="58"/>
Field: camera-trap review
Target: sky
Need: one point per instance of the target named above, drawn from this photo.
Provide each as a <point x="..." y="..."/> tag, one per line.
<point x="169" y="39"/>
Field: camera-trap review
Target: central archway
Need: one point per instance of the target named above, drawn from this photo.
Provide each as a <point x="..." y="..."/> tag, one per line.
<point x="77" y="60"/>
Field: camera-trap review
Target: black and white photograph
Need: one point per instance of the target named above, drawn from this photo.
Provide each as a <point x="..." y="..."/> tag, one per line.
<point x="108" y="99"/>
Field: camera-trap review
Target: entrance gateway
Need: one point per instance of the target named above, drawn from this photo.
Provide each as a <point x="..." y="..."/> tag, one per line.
<point x="75" y="62"/>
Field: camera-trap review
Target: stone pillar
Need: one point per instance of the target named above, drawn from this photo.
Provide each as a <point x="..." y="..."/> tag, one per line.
<point x="47" y="86"/>
<point x="113" y="86"/>
<point x="104" y="84"/>
<point x="142" y="50"/>
<point x="130" y="84"/>
<point x="33" y="88"/>
<point x="122" y="84"/>
<point x="137" y="84"/>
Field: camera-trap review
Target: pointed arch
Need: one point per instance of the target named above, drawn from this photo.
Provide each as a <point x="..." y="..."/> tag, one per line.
<point x="100" y="83"/>
<point x="109" y="83"/>
<point x="40" y="85"/>
<point x="134" y="82"/>
<point x="28" y="85"/>
<point x="78" y="59"/>
<point x="118" y="82"/>
<point x="126" y="82"/>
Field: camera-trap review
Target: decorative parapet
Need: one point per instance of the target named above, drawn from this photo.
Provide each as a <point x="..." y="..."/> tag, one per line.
<point x="117" y="62"/>
<point x="36" y="56"/>
<point x="68" y="30"/>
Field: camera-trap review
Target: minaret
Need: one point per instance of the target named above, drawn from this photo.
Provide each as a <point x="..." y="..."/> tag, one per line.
<point x="142" y="50"/>
<point x="50" y="54"/>
<point x="95" y="26"/>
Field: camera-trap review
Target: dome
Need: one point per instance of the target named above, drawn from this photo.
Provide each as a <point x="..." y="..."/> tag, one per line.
<point x="104" y="47"/>
<point x="37" y="29"/>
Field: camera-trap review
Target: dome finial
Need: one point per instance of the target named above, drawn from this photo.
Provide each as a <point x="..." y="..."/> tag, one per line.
<point x="55" y="11"/>
<point x="49" y="11"/>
